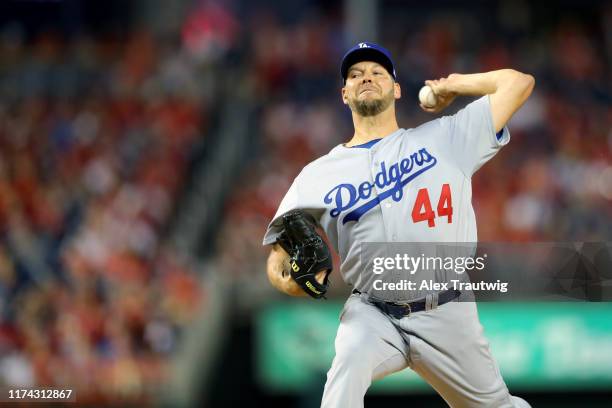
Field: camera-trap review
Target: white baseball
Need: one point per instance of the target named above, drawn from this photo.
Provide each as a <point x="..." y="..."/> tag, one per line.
<point x="427" y="97"/>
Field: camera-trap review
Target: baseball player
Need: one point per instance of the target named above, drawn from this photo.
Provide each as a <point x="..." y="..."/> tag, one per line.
<point x="388" y="184"/>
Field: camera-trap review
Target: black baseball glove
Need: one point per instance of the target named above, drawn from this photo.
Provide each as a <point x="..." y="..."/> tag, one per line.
<point x="308" y="252"/>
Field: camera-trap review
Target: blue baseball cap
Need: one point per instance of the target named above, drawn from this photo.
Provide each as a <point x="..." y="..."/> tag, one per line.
<point x="367" y="51"/>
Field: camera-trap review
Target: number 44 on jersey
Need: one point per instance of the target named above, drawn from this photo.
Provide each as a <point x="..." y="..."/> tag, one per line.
<point x="422" y="209"/>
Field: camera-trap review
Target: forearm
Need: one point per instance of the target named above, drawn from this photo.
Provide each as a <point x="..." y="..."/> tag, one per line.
<point x="507" y="89"/>
<point x="277" y="269"/>
<point x="484" y="83"/>
<point x="279" y="275"/>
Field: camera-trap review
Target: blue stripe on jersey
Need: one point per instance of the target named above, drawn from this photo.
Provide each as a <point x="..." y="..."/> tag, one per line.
<point x="499" y="134"/>
<point x="367" y="145"/>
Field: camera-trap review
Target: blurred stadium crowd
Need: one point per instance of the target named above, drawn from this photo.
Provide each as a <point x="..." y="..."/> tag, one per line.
<point x="553" y="182"/>
<point x="95" y="141"/>
<point x="97" y="135"/>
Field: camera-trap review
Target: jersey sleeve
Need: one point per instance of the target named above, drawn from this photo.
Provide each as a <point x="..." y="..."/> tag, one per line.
<point x="470" y="135"/>
<point x="288" y="203"/>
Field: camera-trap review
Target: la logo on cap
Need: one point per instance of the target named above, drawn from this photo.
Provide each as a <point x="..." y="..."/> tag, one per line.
<point x="363" y="45"/>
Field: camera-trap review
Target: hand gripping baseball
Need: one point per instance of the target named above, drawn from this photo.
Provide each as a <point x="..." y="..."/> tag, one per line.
<point x="308" y="252"/>
<point x="443" y="91"/>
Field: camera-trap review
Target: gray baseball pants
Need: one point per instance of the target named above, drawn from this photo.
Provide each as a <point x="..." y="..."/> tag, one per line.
<point x="445" y="346"/>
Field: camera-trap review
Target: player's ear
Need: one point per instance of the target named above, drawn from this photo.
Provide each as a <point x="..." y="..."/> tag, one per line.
<point x="397" y="90"/>
<point x="343" y="92"/>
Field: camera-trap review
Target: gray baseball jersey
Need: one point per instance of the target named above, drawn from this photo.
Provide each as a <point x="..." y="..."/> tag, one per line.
<point x="412" y="186"/>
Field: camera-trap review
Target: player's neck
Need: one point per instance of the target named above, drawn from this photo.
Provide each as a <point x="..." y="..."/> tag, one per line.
<point x="368" y="128"/>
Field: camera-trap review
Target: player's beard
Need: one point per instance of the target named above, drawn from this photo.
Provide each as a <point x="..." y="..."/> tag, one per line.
<point x="371" y="107"/>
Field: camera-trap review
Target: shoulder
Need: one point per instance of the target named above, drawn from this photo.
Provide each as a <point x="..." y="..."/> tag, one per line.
<point x="330" y="160"/>
<point x="318" y="162"/>
<point x="480" y="106"/>
<point x="477" y="108"/>
<point x="428" y="130"/>
<point x="428" y="126"/>
<point x="316" y="167"/>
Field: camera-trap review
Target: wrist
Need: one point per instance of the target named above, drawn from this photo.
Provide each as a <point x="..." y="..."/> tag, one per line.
<point x="454" y="83"/>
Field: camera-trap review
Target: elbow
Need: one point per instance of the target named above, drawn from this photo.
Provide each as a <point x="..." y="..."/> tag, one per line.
<point x="518" y="85"/>
<point x="528" y="83"/>
<point x="523" y="83"/>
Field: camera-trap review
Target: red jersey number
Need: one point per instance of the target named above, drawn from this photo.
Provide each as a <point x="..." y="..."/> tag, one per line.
<point x="422" y="207"/>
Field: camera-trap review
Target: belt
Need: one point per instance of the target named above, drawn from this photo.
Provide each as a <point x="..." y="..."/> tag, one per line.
<point x="399" y="310"/>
